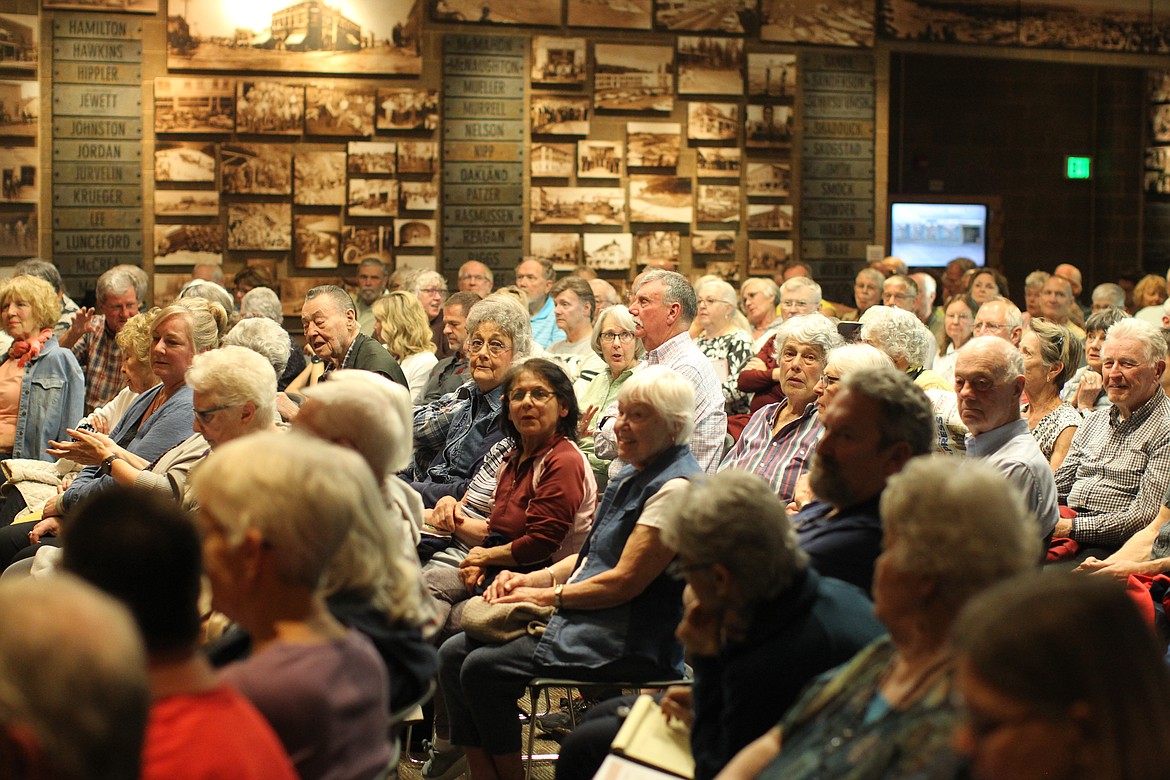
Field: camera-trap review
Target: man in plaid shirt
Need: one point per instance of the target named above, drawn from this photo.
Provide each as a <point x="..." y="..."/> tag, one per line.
<point x="93" y="339"/>
<point x="1118" y="465"/>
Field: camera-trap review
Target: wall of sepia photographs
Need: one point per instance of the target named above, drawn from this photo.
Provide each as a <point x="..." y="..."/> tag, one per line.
<point x="727" y="136"/>
<point x="1157" y="173"/>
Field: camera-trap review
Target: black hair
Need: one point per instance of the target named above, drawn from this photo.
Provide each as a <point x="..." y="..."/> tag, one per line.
<point x="556" y="378"/>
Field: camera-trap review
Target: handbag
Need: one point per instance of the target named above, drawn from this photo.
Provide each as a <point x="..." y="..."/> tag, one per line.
<point x="499" y="623"/>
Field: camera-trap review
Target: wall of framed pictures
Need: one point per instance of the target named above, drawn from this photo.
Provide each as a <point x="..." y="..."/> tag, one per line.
<point x="295" y="136"/>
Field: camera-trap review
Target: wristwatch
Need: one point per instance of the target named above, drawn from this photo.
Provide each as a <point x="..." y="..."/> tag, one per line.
<point x="104" y="469"/>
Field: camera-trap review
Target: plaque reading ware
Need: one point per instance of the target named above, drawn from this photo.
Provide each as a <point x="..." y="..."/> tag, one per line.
<point x="94" y="127"/>
<point x="101" y="219"/>
<point x="82" y="100"/>
<point x="96" y="173"/>
<point x="853" y="249"/>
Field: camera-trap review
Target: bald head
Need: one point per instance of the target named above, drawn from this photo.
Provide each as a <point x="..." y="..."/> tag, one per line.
<point x="1000" y="317"/>
<point x="1072" y="273"/>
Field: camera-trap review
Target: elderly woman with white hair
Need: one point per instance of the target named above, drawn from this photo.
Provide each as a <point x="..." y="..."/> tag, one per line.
<point x="843" y="361"/>
<point x="778" y="441"/>
<point x="890" y="711"/>
<point x="799" y="297"/>
<point x="616" y="606"/>
<point x="906" y="340"/>
<point x="614" y="341"/>
<point x="263" y="337"/>
<point x="724" y="341"/>
<point x="262" y="302"/>
<point x="453" y="434"/>
<point x="761" y="302"/>
<point x="320" y="685"/>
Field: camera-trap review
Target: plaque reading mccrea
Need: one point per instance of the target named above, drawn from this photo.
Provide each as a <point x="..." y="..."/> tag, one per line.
<point x="95" y="127"/>
<point x="101" y="101"/>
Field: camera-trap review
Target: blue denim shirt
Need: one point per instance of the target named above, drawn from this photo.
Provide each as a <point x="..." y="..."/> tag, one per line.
<point x="52" y="399"/>
<point x="643" y="627"/>
<point x="466" y="424"/>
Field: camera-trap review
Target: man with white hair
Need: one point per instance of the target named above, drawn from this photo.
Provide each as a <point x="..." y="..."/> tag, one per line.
<point x="476" y="277"/>
<point x="120" y="292"/>
<point x="924" y="309"/>
<point x="1107" y="295"/>
<point x="799" y="296"/>
<point x="989" y="381"/>
<point x="431" y="289"/>
<point x="1073" y="275"/>
<point x="1000" y="317"/>
<point x="74" y="693"/>
<point x="901" y="292"/>
<point x="664" y="305"/>
<point x="1118" y="465"/>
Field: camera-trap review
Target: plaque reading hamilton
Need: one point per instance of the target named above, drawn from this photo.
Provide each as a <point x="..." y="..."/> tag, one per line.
<point x="98" y="27"/>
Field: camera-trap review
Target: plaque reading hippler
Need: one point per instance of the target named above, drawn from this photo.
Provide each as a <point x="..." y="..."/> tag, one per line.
<point x="97" y="151"/>
<point x="96" y="73"/>
<point x="471" y="151"/>
<point x="66" y="196"/>
<point x="84" y="100"/>
<point x="99" y="27"/>
<point x="483" y="215"/>
<point x="73" y="241"/>
<point x="99" y="219"/>
<point x="484" y="79"/>
<point x="96" y="173"/>
<point x="79" y="50"/>
<point x="93" y="127"/>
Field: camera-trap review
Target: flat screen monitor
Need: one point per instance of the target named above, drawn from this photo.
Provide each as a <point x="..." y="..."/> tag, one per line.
<point x="933" y="234"/>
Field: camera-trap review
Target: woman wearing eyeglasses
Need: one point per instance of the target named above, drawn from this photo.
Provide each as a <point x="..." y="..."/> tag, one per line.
<point x="725" y="341"/>
<point x="614" y="340"/>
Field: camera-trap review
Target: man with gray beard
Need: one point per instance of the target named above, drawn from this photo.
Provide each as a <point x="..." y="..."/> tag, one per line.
<point x="877" y="422"/>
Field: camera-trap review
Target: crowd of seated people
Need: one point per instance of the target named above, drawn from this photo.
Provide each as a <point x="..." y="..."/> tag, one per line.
<point x="833" y="515"/>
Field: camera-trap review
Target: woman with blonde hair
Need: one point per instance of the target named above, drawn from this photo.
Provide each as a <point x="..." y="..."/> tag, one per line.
<point x="724" y="339"/>
<point x="1051" y="354"/>
<point x="401" y="325"/>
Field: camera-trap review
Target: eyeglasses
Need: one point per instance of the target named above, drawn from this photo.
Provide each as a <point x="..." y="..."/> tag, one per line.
<point x="473" y="277"/>
<point x="433" y="291"/>
<point x="624" y="337"/>
<point x="828" y="380"/>
<point x="982" y="326"/>
<point x="538" y="395"/>
<point x="794" y="304"/>
<point x="710" y="301"/>
<point x="494" y="348"/>
<point x="204" y="415"/>
<point x="898" y="296"/>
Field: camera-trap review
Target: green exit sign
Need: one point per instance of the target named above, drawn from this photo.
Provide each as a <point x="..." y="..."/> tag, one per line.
<point x="1078" y="167"/>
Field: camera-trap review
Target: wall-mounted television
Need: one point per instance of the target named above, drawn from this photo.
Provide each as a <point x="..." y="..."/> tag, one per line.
<point x="931" y="233"/>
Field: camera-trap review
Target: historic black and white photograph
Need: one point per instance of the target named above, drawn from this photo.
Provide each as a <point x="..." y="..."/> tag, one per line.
<point x="713" y="121"/>
<point x="954" y="21"/>
<point x="563" y="250"/>
<point x="319" y="178"/>
<point x="1160" y="120"/>
<point x="185" y="161"/>
<point x="294" y="288"/>
<point x="768" y="127"/>
<point x="771" y="76"/>
<point x="660" y="199"/>
<point x="827" y="22"/>
<point x="18" y="233"/>
<point x="18" y="174"/>
<point x="121" y="6"/>
<point x="316" y="239"/>
<point x="407" y="109"/>
<point x="552" y="161"/>
<point x="577" y="206"/>
<point x="717" y="203"/>
<point x="372" y="157"/>
<point x="417" y="156"/>
<point x="255" y="169"/>
<point x="358" y="243"/>
<point x="496" y="11"/>
<point x="1160" y="85"/>
<point x="186" y="203"/>
<point x="418" y="195"/>
<point x="624" y="14"/>
<point x="311" y="36"/>
<point x="1102" y="25"/>
<point x="769" y="216"/>
<point x="1158" y="159"/>
<point x="560" y="114"/>
<point x="766" y="255"/>
<point x="20" y="108"/>
<point x="658" y="247"/>
<point x="709" y="65"/>
<point x="270" y="108"/>
<point x="723" y="16"/>
<point x="260" y="226"/>
<point x="599" y="159"/>
<point x="338" y="110"/>
<point x="21" y="34"/>
<point x="772" y="179"/>
<point x="717" y="162"/>
<point x="713" y="242"/>
<point x="414" y="232"/>
<point x="557" y="60"/>
<point x="194" y="104"/>
<point x="372" y="198"/>
<point x="633" y="78"/>
<point x="188" y="244"/>
<point x="166" y="288"/>
<point x="653" y="144"/>
<point x="608" y="251"/>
